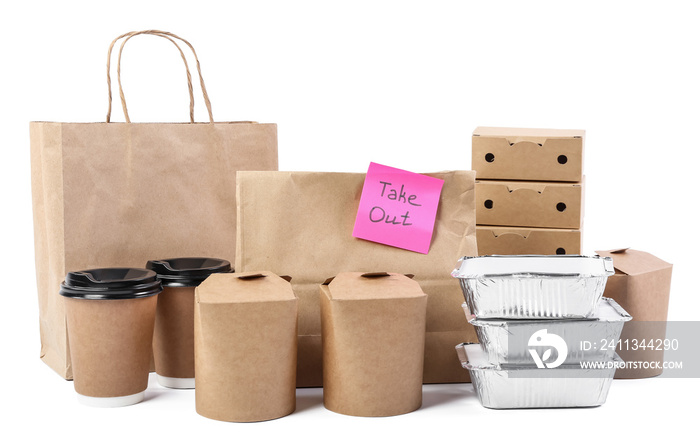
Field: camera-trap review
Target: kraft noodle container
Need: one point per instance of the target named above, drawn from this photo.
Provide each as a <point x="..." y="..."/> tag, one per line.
<point x="373" y="332"/>
<point x="110" y="314"/>
<point x="173" y="337"/>
<point x="245" y="347"/>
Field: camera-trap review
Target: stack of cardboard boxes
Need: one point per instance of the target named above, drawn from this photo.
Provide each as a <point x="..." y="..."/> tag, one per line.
<point x="529" y="190"/>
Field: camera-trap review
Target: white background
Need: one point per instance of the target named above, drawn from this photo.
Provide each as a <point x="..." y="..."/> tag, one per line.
<point x="399" y="83"/>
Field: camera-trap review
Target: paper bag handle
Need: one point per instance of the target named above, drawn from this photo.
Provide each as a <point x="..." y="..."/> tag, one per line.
<point x="169" y="36"/>
<point x="121" y="92"/>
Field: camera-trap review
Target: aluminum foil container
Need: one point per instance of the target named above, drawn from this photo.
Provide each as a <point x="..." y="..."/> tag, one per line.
<point x="591" y="339"/>
<point x="532" y="287"/>
<point x="521" y="387"/>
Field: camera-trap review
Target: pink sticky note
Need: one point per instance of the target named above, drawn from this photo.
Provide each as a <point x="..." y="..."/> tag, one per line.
<point x="398" y="208"/>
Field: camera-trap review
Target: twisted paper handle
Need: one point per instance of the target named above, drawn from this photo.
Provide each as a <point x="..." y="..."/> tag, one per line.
<point x="169" y="36"/>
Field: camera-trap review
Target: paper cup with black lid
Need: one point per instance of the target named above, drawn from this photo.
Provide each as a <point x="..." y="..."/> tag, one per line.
<point x="173" y="340"/>
<point x="110" y="313"/>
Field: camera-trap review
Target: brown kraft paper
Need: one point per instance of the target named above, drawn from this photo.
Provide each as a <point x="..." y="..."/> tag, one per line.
<point x="110" y="344"/>
<point x="528" y="154"/>
<point x="529" y="204"/>
<point x="120" y="194"/>
<point x="245" y="347"/>
<point x="373" y="339"/>
<point x="527" y="240"/>
<point x="300" y="223"/>
<point x="642" y="286"/>
<point x="173" y="337"/>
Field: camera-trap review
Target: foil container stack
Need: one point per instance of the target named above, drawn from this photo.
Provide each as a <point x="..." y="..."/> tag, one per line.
<point x="546" y="335"/>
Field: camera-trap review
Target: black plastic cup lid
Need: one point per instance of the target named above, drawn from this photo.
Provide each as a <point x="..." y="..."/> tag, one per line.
<point x="111" y="284"/>
<point x="187" y="271"/>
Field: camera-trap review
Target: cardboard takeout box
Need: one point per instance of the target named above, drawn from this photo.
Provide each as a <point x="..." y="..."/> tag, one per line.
<point x="373" y="331"/>
<point x="641" y="285"/>
<point x="527" y="240"/>
<point x="245" y="347"/>
<point x="529" y="204"/>
<point x="528" y="154"/>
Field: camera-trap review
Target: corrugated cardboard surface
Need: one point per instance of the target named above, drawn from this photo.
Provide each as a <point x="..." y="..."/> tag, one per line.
<point x="173" y="337"/>
<point x="373" y="344"/>
<point x="527" y="240"/>
<point x="300" y="223"/>
<point x="641" y="285"/>
<point x="245" y="347"/>
<point x="528" y="204"/>
<point x="528" y="154"/>
<point x="110" y="344"/>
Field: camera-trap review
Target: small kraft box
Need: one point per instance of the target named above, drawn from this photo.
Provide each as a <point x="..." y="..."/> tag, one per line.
<point x="527" y="240"/>
<point x="373" y="330"/>
<point x="528" y="154"/>
<point x="641" y="285"/>
<point x="529" y="204"/>
<point x="245" y="347"/>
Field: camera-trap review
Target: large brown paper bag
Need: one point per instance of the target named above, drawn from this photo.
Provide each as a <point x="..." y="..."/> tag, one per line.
<point x="119" y="194"/>
<point x="300" y="224"/>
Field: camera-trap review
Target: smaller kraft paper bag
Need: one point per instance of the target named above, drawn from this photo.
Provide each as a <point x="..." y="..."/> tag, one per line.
<point x="301" y="224"/>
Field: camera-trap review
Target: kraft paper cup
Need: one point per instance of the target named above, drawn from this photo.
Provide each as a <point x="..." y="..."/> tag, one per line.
<point x="173" y="339"/>
<point x="110" y="314"/>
